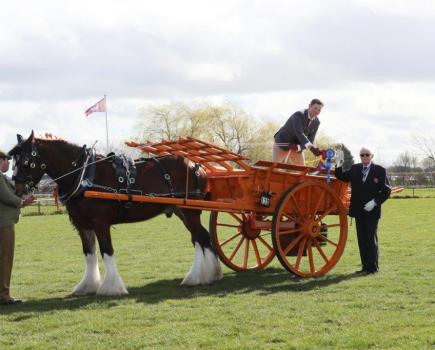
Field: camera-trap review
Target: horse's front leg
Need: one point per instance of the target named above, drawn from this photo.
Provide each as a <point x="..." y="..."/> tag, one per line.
<point x="113" y="283"/>
<point x="91" y="277"/>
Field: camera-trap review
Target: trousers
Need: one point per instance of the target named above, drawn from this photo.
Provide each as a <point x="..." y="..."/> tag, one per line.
<point x="7" y="246"/>
<point x="288" y="157"/>
<point x="367" y="234"/>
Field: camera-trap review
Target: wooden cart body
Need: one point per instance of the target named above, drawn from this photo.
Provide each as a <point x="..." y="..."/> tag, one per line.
<point x="262" y="210"/>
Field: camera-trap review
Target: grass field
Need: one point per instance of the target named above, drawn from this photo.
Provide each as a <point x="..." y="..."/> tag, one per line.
<point x="265" y="310"/>
<point x="423" y="192"/>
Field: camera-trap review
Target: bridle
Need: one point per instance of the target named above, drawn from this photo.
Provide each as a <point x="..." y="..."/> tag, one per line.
<point x="29" y="160"/>
<point x="33" y="160"/>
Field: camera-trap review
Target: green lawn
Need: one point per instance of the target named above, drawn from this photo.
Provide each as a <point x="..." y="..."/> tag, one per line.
<point x="266" y="310"/>
<point x="423" y="192"/>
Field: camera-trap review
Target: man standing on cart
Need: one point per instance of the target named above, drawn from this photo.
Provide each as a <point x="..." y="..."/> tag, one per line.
<point x="297" y="134"/>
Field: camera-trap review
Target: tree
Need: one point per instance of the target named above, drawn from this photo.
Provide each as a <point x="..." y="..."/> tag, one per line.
<point x="426" y="145"/>
<point x="428" y="164"/>
<point x="170" y="121"/>
<point x="405" y="162"/>
<point x="225" y="125"/>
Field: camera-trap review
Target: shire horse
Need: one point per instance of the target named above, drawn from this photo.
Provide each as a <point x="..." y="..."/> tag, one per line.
<point x="68" y="164"/>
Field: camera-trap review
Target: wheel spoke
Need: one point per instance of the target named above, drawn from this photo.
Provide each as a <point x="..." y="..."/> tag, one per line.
<point x="322" y="253"/>
<point x="328" y="240"/>
<point x="293" y="243"/>
<point x="300" y="252"/>
<point x="326" y="213"/>
<point x="236" y="249"/>
<point x="229" y="239"/>
<point x="265" y="243"/>
<point x="308" y="198"/>
<point x="265" y="233"/>
<point x="290" y="217"/>
<point x="316" y="208"/>
<point x="257" y="253"/>
<point x="310" y="256"/>
<point x="287" y="232"/>
<point x="237" y="218"/>
<point x="245" y="258"/>
<point x="297" y="205"/>
<point x="228" y="225"/>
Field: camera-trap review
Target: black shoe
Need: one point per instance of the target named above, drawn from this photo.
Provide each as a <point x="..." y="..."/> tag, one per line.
<point x="373" y="272"/>
<point x="361" y="272"/>
<point x="12" y="301"/>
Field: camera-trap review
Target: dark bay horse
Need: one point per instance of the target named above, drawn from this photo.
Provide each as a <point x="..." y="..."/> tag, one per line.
<point x="76" y="168"/>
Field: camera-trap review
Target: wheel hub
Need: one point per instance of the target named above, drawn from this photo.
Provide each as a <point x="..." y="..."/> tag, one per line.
<point x="312" y="229"/>
<point x="248" y="230"/>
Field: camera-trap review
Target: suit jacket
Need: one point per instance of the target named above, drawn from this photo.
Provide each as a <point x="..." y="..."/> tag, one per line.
<point x="297" y="131"/>
<point x="375" y="187"/>
<point x="10" y="203"/>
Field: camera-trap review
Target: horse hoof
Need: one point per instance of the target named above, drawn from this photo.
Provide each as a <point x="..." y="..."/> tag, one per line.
<point x="85" y="290"/>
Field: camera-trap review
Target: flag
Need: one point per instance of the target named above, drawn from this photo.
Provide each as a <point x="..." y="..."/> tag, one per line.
<point x="100" y="106"/>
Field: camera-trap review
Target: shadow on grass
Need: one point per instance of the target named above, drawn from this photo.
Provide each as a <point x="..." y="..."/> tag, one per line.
<point x="269" y="281"/>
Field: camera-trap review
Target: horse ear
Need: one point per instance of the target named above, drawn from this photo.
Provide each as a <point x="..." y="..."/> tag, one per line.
<point x="19" y="138"/>
<point x="32" y="136"/>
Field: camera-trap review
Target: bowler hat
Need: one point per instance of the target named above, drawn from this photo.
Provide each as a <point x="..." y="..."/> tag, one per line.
<point x="4" y="155"/>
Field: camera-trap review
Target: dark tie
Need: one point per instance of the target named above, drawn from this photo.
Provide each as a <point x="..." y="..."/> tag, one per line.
<point x="309" y="121"/>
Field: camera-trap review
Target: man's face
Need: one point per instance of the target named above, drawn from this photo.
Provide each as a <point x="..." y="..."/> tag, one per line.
<point x="315" y="110"/>
<point x="4" y="165"/>
<point x="366" y="156"/>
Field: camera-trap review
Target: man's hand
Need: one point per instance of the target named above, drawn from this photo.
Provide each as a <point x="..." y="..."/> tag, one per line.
<point x="27" y="200"/>
<point x="293" y="147"/>
<point x="315" y="151"/>
<point x="370" y="205"/>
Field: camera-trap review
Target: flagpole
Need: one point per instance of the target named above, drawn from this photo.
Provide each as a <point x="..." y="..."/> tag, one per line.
<point x="107" y="127"/>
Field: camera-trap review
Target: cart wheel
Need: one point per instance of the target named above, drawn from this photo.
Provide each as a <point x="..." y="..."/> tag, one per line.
<point x="309" y="229"/>
<point x="239" y="246"/>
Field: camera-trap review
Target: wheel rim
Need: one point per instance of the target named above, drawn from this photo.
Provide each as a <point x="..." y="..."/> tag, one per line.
<point x="305" y="250"/>
<point x="239" y="246"/>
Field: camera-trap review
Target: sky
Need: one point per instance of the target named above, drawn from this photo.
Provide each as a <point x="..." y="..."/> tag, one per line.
<point x="370" y="61"/>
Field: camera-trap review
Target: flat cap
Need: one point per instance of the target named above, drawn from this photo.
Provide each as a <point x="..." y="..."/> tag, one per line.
<point x="4" y="155"/>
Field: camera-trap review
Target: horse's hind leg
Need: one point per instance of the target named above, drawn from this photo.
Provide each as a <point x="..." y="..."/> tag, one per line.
<point x="91" y="277"/>
<point x="206" y="267"/>
<point x="113" y="283"/>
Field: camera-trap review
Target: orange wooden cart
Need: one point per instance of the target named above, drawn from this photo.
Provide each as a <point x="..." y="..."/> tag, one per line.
<point x="262" y="210"/>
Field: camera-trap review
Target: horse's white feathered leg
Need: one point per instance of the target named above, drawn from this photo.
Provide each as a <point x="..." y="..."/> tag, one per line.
<point x="113" y="284"/>
<point x="205" y="268"/>
<point x="91" y="277"/>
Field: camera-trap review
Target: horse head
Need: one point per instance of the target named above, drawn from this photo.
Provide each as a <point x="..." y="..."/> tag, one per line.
<point x="28" y="167"/>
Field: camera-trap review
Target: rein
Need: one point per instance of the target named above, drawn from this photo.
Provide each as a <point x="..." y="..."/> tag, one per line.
<point x="67" y="196"/>
<point x="84" y="182"/>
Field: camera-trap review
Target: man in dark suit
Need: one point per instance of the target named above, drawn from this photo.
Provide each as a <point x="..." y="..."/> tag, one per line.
<point x="297" y="134"/>
<point x="370" y="188"/>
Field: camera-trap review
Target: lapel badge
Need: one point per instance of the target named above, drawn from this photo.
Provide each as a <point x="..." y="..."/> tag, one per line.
<point x="376" y="180"/>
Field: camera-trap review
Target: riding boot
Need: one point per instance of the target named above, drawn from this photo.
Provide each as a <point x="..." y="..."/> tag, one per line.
<point x="7" y="244"/>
